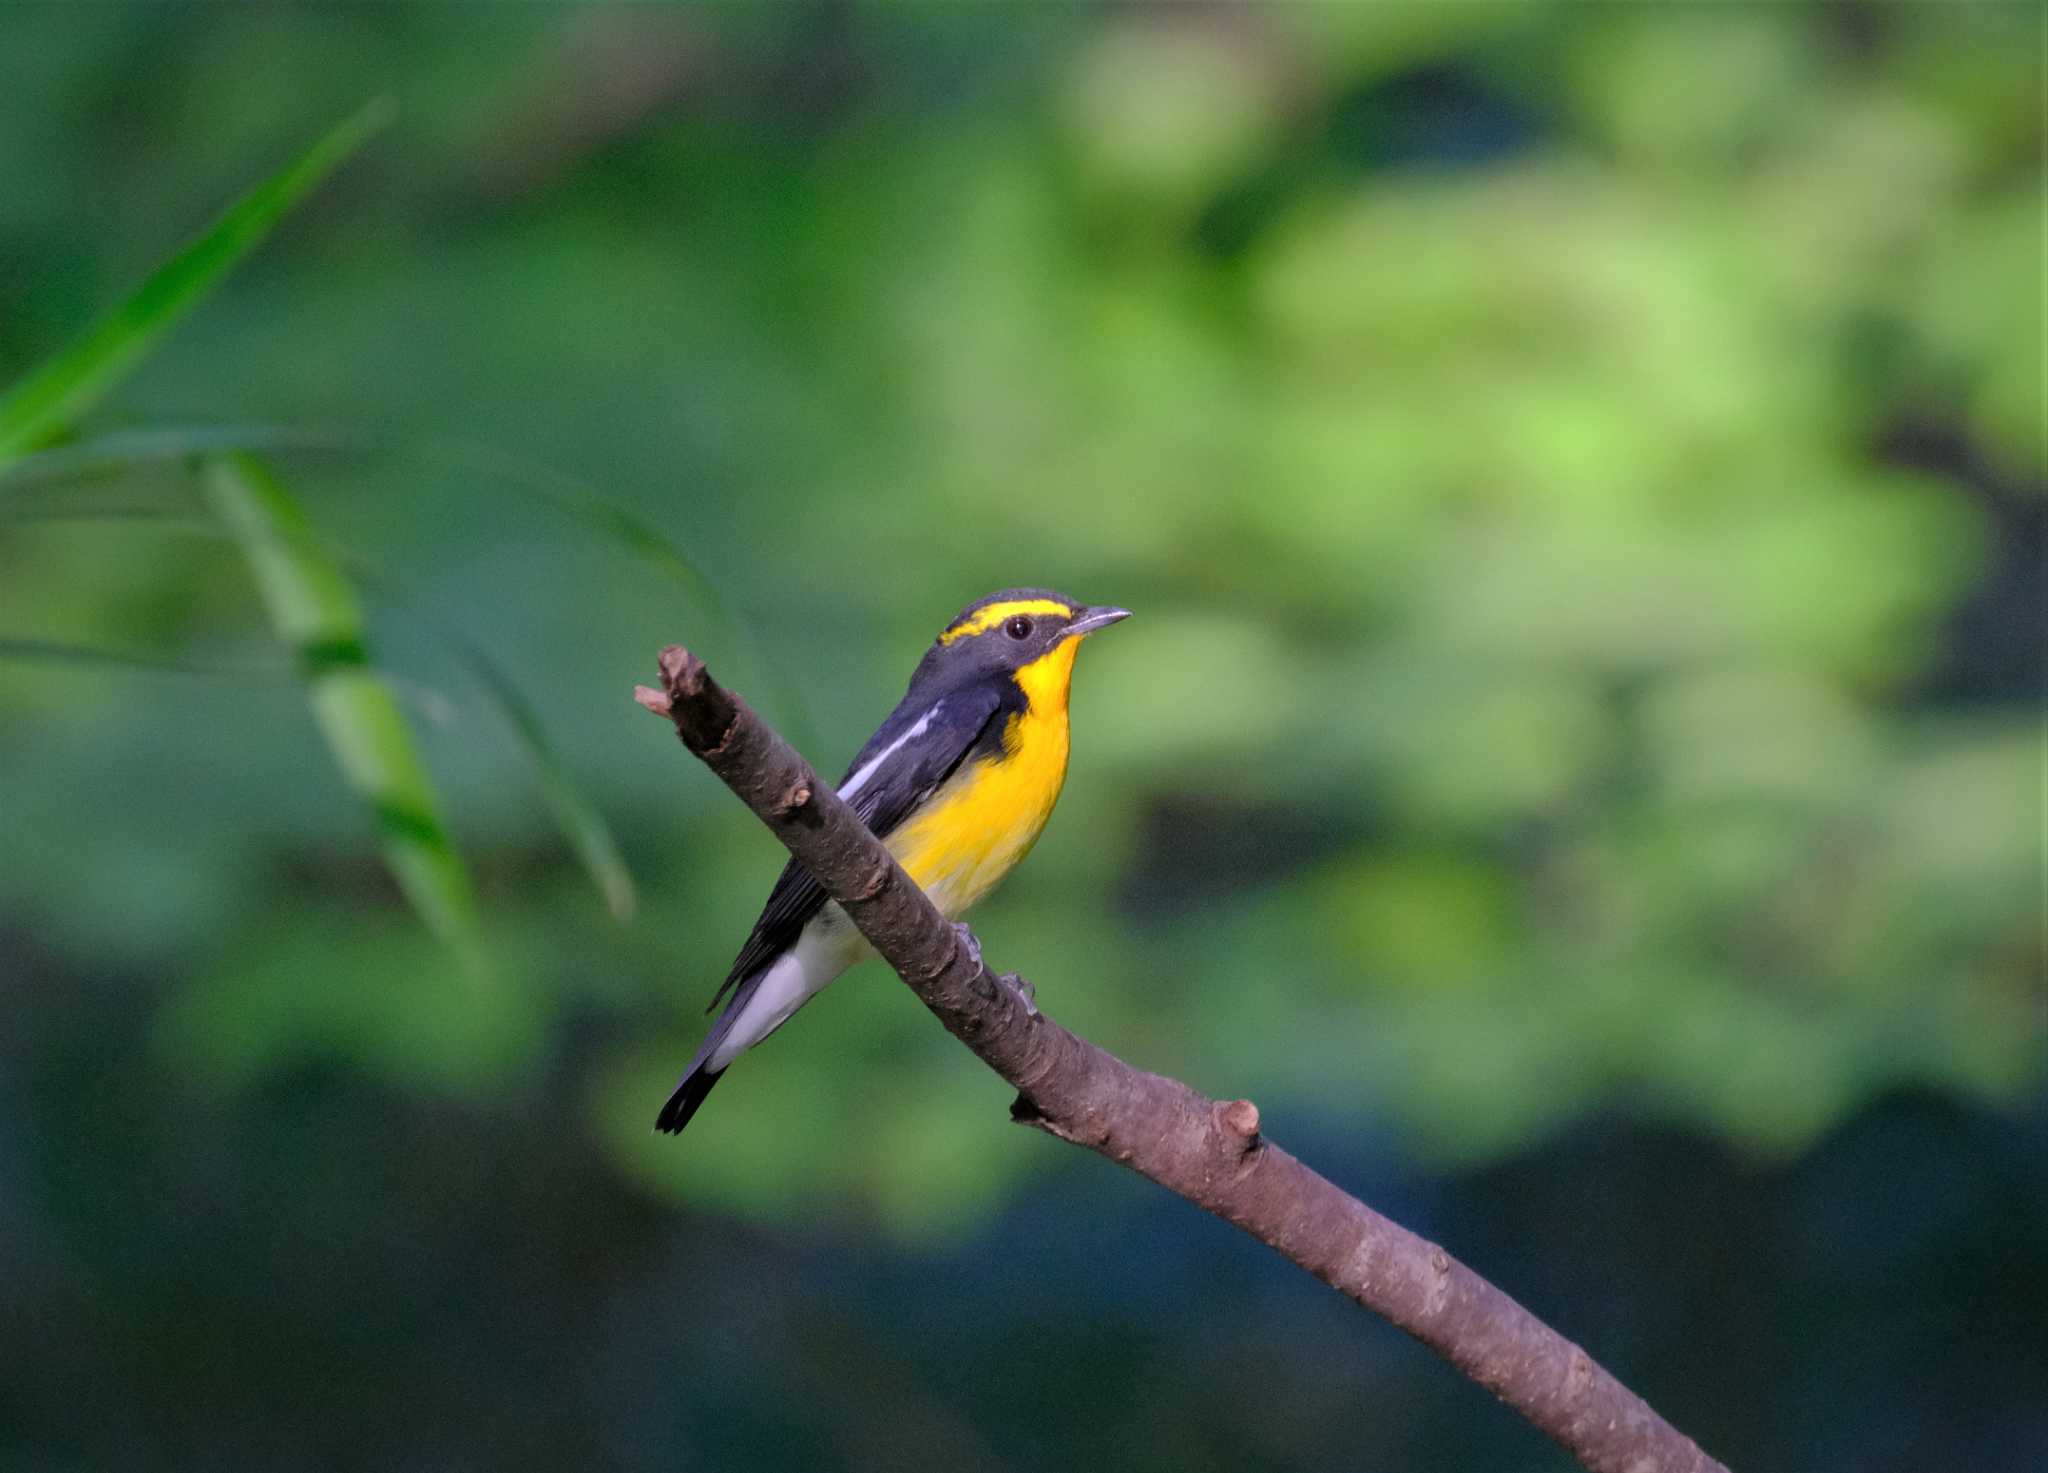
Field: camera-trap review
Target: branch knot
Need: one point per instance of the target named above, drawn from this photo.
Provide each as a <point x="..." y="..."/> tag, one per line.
<point x="1240" y="1122"/>
<point x="793" y="798"/>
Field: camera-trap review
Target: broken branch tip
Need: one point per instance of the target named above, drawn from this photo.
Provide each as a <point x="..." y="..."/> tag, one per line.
<point x="682" y="673"/>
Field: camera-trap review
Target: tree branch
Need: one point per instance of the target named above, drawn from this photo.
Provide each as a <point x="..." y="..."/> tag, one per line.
<point x="1210" y="1152"/>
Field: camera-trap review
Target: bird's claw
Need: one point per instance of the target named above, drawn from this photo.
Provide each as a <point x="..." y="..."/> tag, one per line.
<point x="968" y="942"/>
<point x="1026" y="993"/>
<point x="1020" y="987"/>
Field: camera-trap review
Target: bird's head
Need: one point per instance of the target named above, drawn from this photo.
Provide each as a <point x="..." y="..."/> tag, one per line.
<point x="1028" y="635"/>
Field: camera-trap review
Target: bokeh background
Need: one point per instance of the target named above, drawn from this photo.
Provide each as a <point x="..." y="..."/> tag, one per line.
<point x="1576" y="762"/>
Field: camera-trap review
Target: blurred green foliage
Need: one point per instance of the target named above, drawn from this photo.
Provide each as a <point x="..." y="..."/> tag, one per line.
<point x="1577" y="470"/>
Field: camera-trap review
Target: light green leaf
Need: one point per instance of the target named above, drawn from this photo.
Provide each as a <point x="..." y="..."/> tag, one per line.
<point x="49" y="400"/>
<point x="315" y="610"/>
<point x="581" y="822"/>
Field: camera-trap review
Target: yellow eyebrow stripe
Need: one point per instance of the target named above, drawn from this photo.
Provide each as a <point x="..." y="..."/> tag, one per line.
<point x="982" y="620"/>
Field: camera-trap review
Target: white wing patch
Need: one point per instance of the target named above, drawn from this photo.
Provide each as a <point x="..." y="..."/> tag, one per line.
<point x="874" y="764"/>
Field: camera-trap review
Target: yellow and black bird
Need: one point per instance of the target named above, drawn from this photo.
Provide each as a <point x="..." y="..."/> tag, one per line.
<point x="958" y="782"/>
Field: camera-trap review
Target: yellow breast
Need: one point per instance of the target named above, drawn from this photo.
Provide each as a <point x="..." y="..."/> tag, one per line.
<point x="988" y="814"/>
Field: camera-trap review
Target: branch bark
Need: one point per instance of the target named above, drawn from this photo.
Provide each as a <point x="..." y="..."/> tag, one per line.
<point x="1212" y="1153"/>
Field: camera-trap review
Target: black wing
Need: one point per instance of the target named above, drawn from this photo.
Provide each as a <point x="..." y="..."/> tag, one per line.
<point x="915" y="750"/>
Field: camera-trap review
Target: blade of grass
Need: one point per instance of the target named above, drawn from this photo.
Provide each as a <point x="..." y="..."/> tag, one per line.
<point x="577" y="499"/>
<point x="316" y="612"/>
<point x="589" y="836"/>
<point x="568" y="495"/>
<point x="50" y="399"/>
<point x="428" y="702"/>
<point x="579" y="818"/>
<point x="60" y="652"/>
<point x="125" y="449"/>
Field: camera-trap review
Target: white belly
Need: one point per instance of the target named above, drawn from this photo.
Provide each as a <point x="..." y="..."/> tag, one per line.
<point x="827" y="947"/>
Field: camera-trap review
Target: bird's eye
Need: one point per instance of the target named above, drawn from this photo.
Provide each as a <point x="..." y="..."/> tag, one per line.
<point x="1018" y="628"/>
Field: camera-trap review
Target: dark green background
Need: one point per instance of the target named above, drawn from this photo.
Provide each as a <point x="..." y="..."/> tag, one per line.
<point x="1576" y="762"/>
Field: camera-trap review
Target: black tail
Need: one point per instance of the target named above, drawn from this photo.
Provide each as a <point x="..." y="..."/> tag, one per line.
<point x="688" y="1096"/>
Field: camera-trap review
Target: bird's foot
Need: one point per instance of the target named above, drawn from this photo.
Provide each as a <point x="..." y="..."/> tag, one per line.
<point x="1026" y="993"/>
<point x="1020" y="987"/>
<point x="968" y="942"/>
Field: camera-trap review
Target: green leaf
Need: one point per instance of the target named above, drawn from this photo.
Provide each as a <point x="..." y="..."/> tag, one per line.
<point x="314" y="609"/>
<point x="49" y="400"/>
<point x="92" y="456"/>
<point x="582" y="823"/>
<point x="569" y="496"/>
<point x="589" y="836"/>
<point x="59" y="652"/>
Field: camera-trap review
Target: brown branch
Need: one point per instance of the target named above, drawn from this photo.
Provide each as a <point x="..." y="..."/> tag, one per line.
<point x="1210" y="1152"/>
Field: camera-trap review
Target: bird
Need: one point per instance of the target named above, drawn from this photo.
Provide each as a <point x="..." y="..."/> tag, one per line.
<point x="958" y="783"/>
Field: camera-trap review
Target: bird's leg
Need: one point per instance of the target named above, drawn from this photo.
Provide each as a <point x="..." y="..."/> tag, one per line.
<point x="1021" y="986"/>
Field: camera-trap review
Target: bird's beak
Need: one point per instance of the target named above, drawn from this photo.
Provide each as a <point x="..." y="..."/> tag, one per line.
<point x="1099" y="617"/>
